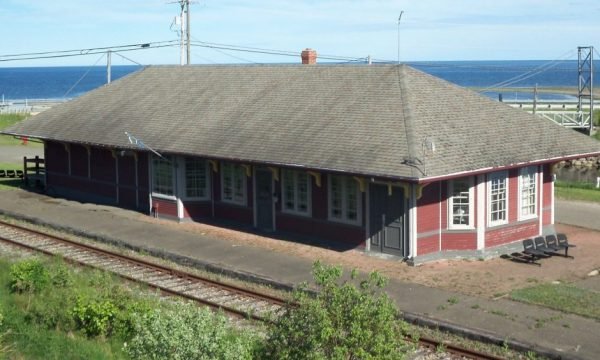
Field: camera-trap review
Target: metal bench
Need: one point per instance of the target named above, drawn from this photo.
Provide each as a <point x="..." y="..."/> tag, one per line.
<point x="564" y="243"/>
<point x="2" y="173"/>
<point x="531" y="253"/>
<point x="552" y="242"/>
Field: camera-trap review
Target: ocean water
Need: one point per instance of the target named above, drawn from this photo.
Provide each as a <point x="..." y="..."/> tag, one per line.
<point x="58" y="83"/>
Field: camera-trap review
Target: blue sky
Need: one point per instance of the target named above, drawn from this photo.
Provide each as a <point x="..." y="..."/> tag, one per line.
<point x="430" y="30"/>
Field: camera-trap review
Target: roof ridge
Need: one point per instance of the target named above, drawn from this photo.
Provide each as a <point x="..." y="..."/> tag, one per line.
<point x="409" y="132"/>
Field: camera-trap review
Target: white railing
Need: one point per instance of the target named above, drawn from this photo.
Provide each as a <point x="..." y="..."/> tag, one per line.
<point x="571" y="119"/>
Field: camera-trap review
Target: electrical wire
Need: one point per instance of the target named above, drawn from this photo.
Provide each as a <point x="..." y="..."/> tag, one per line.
<point x="128" y="59"/>
<point x="538" y="70"/>
<point x="83" y="76"/>
<point x="98" y="51"/>
<point x="86" y="51"/>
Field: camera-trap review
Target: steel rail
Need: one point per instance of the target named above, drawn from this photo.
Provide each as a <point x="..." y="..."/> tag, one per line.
<point x="147" y="266"/>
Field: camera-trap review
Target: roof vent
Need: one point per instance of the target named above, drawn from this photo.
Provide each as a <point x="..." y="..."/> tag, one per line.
<point x="309" y="56"/>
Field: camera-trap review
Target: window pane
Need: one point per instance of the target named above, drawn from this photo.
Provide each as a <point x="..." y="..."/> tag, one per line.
<point x="288" y="190"/>
<point x="162" y="175"/>
<point x="302" y="192"/>
<point x="351" y="199"/>
<point x="238" y="182"/>
<point x="528" y="192"/>
<point x="336" y="197"/>
<point x="498" y="199"/>
<point x="227" y="181"/>
<point x="195" y="178"/>
<point x="460" y="202"/>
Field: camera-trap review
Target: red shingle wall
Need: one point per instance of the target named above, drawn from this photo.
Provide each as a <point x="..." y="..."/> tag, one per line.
<point x="341" y="233"/>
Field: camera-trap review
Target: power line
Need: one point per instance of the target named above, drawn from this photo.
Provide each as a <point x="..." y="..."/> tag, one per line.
<point x="83" y="76"/>
<point x="83" y="52"/>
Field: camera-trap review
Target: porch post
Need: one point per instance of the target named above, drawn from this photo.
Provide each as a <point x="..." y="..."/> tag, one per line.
<point x="480" y="212"/>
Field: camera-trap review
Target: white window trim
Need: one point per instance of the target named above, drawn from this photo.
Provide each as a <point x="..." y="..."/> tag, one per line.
<point x="534" y="171"/>
<point x="244" y="201"/>
<point x="184" y="182"/>
<point x="174" y="179"/>
<point x="344" y="219"/>
<point x="308" y="212"/>
<point x="471" y="224"/>
<point x="497" y="175"/>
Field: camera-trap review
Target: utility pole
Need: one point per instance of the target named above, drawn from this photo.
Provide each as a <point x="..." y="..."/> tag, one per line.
<point x="535" y="93"/>
<point x="187" y="30"/>
<point x="108" y="66"/>
<point x="585" y="68"/>
<point x="399" y="18"/>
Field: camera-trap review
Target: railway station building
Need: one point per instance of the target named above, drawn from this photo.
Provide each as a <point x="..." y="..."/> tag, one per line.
<point x="382" y="158"/>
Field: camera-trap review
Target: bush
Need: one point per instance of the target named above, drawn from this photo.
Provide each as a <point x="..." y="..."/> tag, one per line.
<point x="94" y="317"/>
<point x="342" y="322"/>
<point x="187" y="332"/>
<point x="28" y="275"/>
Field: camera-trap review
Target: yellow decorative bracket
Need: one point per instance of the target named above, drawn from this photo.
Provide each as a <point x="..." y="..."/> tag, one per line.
<point x="275" y="172"/>
<point x="248" y="169"/>
<point x="317" y="177"/>
<point x="88" y="149"/>
<point x="67" y="147"/>
<point x="214" y="165"/>
<point x="404" y="186"/>
<point x="420" y="190"/>
<point x="362" y="183"/>
<point x="135" y="156"/>
<point x="553" y="168"/>
<point x="114" y="153"/>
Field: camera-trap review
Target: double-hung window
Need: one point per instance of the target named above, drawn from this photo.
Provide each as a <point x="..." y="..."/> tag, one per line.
<point x="344" y="200"/>
<point x="196" y="179"/>
<point x="498" y="198"/>
<point x="528" y="192"/>
<point x="162" y="175"/>
<point x="296" y="192"/>
<point x="460" y="203"/>
<point x="233" y="183"/>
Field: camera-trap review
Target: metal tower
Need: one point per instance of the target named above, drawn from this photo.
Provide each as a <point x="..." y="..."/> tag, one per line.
<point x="585" y="68"/>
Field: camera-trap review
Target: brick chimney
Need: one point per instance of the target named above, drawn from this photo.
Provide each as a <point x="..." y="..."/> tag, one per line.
<point x="309" y="56"/>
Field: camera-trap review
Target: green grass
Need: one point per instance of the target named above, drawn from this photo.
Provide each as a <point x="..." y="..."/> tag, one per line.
<point x="563" y="297"/>
<point x="27" y="318"/>
<point x="575" y="191"/>
<point x="7" y="120"/>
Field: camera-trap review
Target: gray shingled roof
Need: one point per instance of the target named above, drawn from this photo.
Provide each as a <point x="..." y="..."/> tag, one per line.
<point x="357" y="119"/>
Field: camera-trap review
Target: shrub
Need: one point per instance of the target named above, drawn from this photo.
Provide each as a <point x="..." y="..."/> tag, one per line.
<point x="342" y="322"/>
<point x="94" y="317"/>
<point x="187" y="332"/>
<point x="28" y="275"/>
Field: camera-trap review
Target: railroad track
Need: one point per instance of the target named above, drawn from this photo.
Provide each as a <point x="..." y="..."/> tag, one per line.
<point x="233" y="300"/>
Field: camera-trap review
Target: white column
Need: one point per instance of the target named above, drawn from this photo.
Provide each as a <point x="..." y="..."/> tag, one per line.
<point x="412" y="214"/>
<point x="540" y="176"/>
<point x="179" y="183"/>
<point x="480" y="211"/>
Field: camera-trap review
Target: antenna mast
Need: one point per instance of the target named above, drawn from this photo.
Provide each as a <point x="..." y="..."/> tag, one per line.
<point x="184" y="31"/>
<point x="399" y="18"/>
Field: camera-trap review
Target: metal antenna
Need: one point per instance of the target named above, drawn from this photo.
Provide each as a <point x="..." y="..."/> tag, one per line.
<point x="140" y="144"/>
<point x="399" y="18"/>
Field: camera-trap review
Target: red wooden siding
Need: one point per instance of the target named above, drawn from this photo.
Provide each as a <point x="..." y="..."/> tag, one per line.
<point x="459" y="241"/>
<point x="428" y="210"/>
<point x="164" y="207"/>
<point x="428" y="245"/>
<point x="197" y="210"/>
